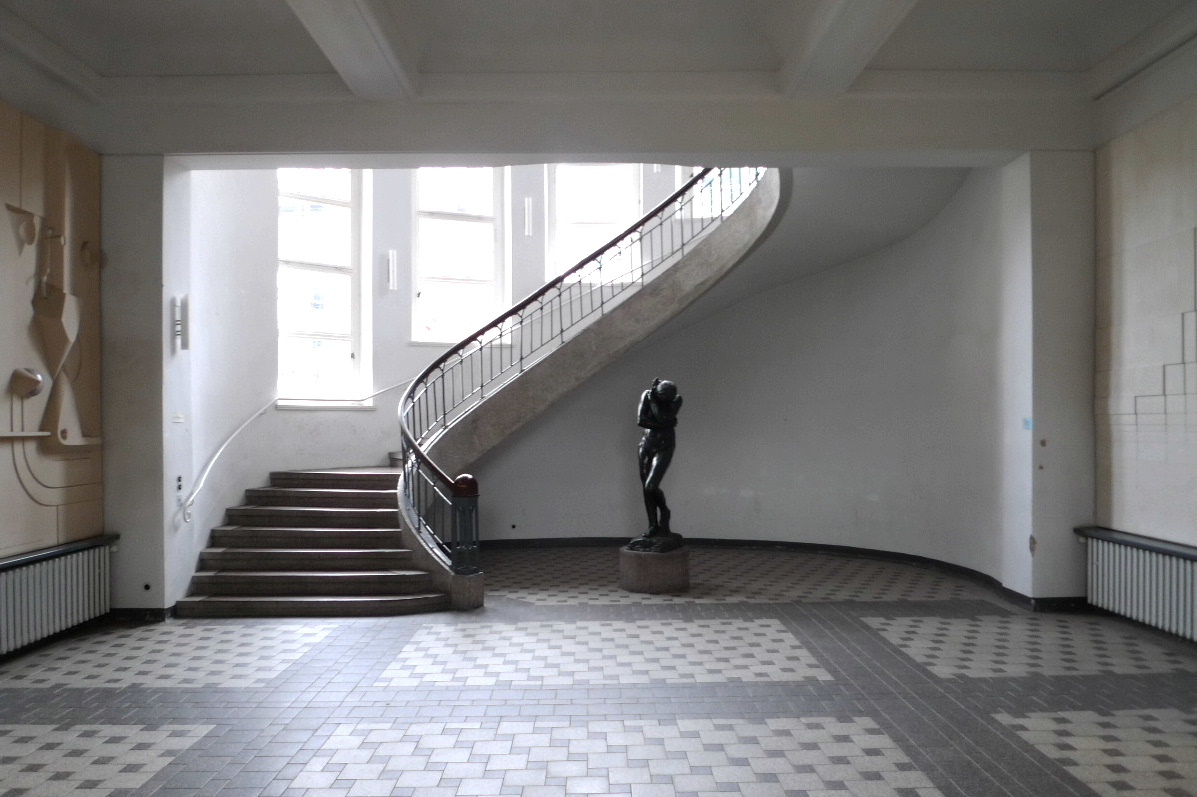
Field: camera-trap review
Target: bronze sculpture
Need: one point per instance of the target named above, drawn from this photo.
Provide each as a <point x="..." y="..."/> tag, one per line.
<point x="657" y="415"/>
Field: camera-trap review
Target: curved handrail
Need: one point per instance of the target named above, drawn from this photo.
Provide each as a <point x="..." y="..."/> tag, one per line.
<point x="442" y="509"/>
<point x="520" y="306"/>
<point x="185" y="507"/>
<point x="557" y="281"/>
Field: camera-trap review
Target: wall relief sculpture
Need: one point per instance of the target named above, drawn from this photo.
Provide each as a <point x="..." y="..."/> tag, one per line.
<point x="50" y="465"/>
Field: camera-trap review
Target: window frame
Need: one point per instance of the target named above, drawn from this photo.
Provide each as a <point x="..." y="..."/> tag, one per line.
<point x="552" y="268"/>
<point x="360" y="322"/>
<point x="500" y="179"/>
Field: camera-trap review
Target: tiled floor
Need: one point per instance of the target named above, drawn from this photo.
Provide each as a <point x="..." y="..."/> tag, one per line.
<point x="780" y="674"/>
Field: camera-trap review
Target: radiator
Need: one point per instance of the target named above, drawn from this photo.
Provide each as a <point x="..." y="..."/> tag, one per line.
<point x="1151" y="581"/>
<point x="50" y="591"/>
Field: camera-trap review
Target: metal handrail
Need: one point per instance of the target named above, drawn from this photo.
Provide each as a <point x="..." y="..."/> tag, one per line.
<point x="187" y="505"/>
<point x="443" y="509"/>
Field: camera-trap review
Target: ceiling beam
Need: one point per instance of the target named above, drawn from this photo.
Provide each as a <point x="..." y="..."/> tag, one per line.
<point x="361" y="40"/>
<point x="839" y="39"/>
<point x="1145" y="49"/>
<point x="49" y="58"/>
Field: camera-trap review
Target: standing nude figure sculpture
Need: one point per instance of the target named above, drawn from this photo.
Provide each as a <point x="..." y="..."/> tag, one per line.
<point x="659" y="406"/>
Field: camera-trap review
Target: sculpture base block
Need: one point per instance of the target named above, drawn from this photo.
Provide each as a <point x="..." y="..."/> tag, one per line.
<point x="654" y="573"/>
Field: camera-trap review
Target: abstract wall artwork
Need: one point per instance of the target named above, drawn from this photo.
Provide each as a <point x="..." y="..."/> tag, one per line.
<point x="51" y="486"/>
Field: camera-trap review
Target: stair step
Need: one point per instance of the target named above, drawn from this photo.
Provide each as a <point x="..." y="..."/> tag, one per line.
<point x="317" y="559"/>
<point x="322" y="496"/>
<point x="316" y="543"/>
<point x="379" y="478"/>
<point x="311" y="537"/>
<point x="311" y="606"/>
<point x="323" y="517"/>
<point x="310" y="583"/>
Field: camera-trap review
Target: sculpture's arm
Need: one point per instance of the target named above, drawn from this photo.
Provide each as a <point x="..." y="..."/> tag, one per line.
<point x="645" y="416"/>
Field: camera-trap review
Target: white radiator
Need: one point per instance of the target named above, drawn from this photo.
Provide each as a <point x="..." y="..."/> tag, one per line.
<point x="1150" y="581"/>
<point x="51" y="593"/>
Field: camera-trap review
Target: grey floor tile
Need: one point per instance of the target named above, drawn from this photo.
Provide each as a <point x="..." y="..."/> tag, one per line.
<point x="779" y="674"/>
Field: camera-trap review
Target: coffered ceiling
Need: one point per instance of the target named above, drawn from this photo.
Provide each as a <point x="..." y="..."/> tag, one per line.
<point x="430" y="50"/>
<point x="503" y="76"/>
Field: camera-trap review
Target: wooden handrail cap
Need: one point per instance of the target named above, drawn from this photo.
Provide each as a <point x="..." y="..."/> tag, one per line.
<point x="465" y="486"/>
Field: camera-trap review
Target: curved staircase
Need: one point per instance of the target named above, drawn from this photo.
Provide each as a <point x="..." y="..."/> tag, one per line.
<point x="388" y="541"/>
<point x="315" y="543"/>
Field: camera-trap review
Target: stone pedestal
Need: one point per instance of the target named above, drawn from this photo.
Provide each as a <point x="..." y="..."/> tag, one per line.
<point x="644" y="571"/>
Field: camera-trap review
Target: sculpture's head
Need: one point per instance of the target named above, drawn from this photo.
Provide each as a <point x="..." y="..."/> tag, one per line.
<point x="667" y="390"/>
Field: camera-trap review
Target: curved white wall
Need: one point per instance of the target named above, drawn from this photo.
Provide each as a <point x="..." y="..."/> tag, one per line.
<point x="878" y="404"/>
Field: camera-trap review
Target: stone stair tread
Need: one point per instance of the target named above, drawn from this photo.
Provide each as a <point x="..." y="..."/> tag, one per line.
<point x="310" y="529"/>
<point x="309" y="574"/>
<point x="311" y="605"/>
<point x="323" y="497"/>
<point x="292" y="550"/>
<point x="359" y="517"/>
<point x="366" y="478"/>
<point x="330" y="598"/>
<point x="307" y="537"/>
<point x="334" y="491"/>
<point x="363" y="471"/>
<point x="317" y="543"/>
<point x="333" y="509"/>
<point x="317" y="488"/>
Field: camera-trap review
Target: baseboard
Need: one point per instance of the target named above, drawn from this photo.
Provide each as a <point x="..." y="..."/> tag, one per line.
<point x="140" y="615"/>
<point x="554" y="542"/>
<point x="1060" y="604"/>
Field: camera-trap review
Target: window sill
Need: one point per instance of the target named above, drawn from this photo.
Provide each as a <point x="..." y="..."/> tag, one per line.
<point x="339" y="406"/>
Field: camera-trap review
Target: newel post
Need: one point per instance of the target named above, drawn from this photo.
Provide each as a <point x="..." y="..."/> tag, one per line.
<point x="465" y="525"/>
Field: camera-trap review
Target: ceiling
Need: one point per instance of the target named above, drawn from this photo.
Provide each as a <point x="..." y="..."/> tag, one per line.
<point x="869" y="88"/>
<point x="856" y="95"/>
<point x="114" y="51"/>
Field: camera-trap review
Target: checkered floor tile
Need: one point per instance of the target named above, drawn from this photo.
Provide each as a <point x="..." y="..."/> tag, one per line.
<point x="1018" y="645"/>
<point x="87" y="760"/>
<point x="591" y="576"/>
<point x="783" y="674"/>
<point x="846" y="757"/>
<point x="174" y="655"/>
<point x="1119" y="753"/>
<point x="603" y="652"/>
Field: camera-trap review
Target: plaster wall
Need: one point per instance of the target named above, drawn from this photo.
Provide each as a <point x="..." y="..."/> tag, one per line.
<point x="1063" y="439"/>
<point x="880" y="404"/>
<point x="1010" y="246"/>
<point x="134" y="328"/>
<point x="220" y="253"/>
<point x="175" y="414"/>
<point x="1146" y="385"/>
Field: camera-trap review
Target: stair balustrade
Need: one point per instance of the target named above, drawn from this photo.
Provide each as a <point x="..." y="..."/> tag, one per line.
<point x="442" y="509"/>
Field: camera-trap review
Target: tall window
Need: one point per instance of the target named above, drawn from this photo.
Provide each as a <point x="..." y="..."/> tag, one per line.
<point x="590" y="204"/>
<point x="460" y="251"/>
<point x="321" y="317"/>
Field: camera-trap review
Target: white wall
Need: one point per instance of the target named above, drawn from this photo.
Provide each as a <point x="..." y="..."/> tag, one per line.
<point x="231" y="258"/>
<point x="1064" y="445"/>
<point x="1147" y="328"/>
<point x="134" y="330"/>
<point x="879" y="405"/>
<point x="221" y="252"/>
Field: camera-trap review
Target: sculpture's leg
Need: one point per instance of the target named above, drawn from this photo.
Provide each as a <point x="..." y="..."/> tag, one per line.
<point x="654" y="497"/>
<point x="663" y="512"/>
<point x="650" y="506"/>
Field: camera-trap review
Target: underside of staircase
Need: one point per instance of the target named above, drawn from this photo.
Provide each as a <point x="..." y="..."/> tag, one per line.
<point x="315" y="543"/>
